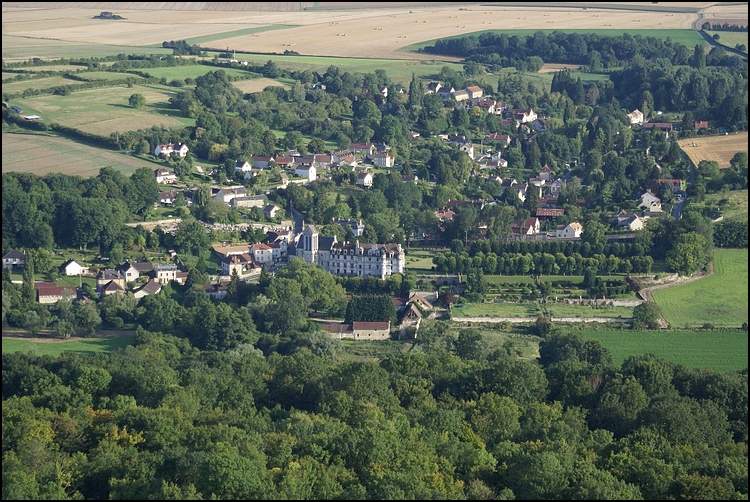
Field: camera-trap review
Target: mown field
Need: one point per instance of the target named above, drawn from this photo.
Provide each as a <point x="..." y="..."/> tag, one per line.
<point x="55" y="346"/>
<point x="36" y="83"/>
<point x="258" y="84"/>
<point x="534" y="309"/>
<point x="720" y="299"/>
<point x="105" y="110"/>
<point x="236" y="33"/>
<point x="718" y="148"/>
<point x="719" y="350"/>
<point x="31" y="153"/>
<point x="730" y="38"/>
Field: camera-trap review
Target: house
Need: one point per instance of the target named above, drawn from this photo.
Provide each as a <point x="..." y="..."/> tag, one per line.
<point x="14" y="259"/>
<point x="524" y="115"/>
<point x="72" y="267"/>
<point x="260" y="161"/>
<point x="364" y="180"/>
<point x="650" y="202"/>
<point x="675" y="182"/>
<point x="167" y="149"/>
<point x="217" y="291"/>
<point x="262" y="253"/>
<point x="132" y="271"/>
<point x="383" y="160"/>
<point x="411" y="319"/>
<point x="150" y="288"/>
<point x="474" y="91"/>
<point x="226" y="195"/>
<point x="16" y="109"/>
<point x="545" y="173"/>
<point x="50" y="292"/>
<point x="433" y="87"/>
<point x="569" y="231"/>
<point x="356" y="226"/>
<point x="371" y="330"/>
<point x="306" y="171"/>
<point x="107" y="275"/>
<point x="700" y="124"/>
<point x="181" y="277"/>
<point x="285" y="161"/>
<point x="636" y="117"/>
<point x="444" y="214"/>
<point x="236" y="263"/>
<point x="665" y="127"/>
<point x="549" y="213"/>
<point x="530" y="226"/>
<point x="555" y="186"/>
<point x="468" y="149"/>
<point x="248" y="201"/>
<point x="409" y="178"/>
<point x="243" y="166"/>
<point x="461" y="95"/>
<point x="167" y="198"/>
<point x="165" y="273"/>
<point x="503" y="139"/>
<point x="629" y="221"/>
<point x="366" y="148"/>
<point x="164" y="176"/>
<point x="110" y="288"/>
<point x="271" y="210"/>
<point x="446" y="92"/>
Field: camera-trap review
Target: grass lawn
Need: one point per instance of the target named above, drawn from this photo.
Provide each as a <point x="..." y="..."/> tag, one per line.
<point x="106" y="75"/>
<point x="720" y="299"/>
<point x="419" y="260"/>
<point x="37" y="83"/>
<point x="372" y="350"/>
<point x="720" y="350"/>
<point x="54" y="347"/>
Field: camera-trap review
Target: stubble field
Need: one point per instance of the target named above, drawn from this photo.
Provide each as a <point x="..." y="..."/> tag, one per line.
<point x="718" y="148"/>
<point x="367" y="30"/>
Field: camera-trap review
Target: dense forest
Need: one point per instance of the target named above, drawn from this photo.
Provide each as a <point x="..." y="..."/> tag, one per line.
<point x="165" y="420"/>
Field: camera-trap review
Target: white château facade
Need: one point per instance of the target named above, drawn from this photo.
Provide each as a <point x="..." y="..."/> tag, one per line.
<point x="350" y="258"/>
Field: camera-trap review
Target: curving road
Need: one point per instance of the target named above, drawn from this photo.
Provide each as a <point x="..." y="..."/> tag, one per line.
<point x="697" y="27"/>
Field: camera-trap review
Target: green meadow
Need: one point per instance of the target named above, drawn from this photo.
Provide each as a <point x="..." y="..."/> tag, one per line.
<point x="719" y="350"/>
<point x="720" y="299"/>
<point x="55" y="348"/>
<point x="191" y="71"/>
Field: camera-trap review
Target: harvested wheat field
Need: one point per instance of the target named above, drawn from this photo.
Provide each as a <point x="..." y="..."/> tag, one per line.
<point x="718" y="148"/>
<point x="326" y="29"/>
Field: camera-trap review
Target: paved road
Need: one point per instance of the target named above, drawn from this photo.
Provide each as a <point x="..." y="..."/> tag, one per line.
<point x="697" y="27"/>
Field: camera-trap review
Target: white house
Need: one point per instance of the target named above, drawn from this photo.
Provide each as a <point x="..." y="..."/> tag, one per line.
<point x="636" y="116"/>
<point x="72" y="267"/>
<point x="475" y="92"/>
<point x="14" y="259"/>
<point x="525" y="115"/>
<point x="263" y="253"/>
<point x="150" y="288"/>
<point x="461" y="95"/>
<point x="167" y="149"/>
<point x="164" y="176"/>
<point x="306" y="171"/>
<point x="650" y="202"/>
<point x="165" y="273"/>
<point x="364" y="180"/>
<point x="569" y="231"/>
<point x="243" y="166"/>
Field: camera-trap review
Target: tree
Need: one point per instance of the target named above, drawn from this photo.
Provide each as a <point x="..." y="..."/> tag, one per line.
<point x="136" y="100"/>
<point x="646" y="316"/>
<point x="689" y="254"/>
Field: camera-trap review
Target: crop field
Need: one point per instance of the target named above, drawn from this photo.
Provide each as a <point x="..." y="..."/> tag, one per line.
<point x="31" y="153"/>
<point x="363" y="31"/>
<point x="719" y="350"/>
<point x="718" y="148"/>
<point x="720" y="299"/>
<point x="105" y="110"/>
<point x="193" y="71"/>
<point x="56" y="346"/>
